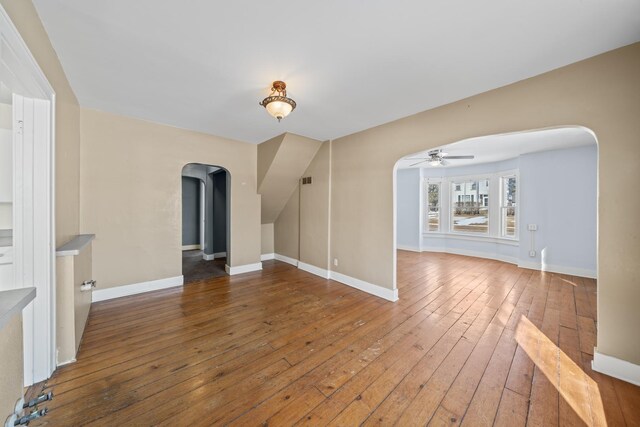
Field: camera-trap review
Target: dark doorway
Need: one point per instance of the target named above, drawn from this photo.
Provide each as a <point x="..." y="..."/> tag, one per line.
<point x="205" y="223"/>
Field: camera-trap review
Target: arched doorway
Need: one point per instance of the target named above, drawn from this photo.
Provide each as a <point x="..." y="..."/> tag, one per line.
<point x="527" y="198"/>
<point x="205" y="221"/>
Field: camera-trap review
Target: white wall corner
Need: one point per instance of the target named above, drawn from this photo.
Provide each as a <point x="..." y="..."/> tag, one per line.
<point x="617" y="368"/>
<point x="136" y="288"/>
<point x="325" y="274"/>
<point x="240" y="269"/>
<point x="370" y="288"/>
<point x="267" y="257"/>
<point x="286" y="259"/>
<point x="408" y="248"/>
<point x="208" y="257"/>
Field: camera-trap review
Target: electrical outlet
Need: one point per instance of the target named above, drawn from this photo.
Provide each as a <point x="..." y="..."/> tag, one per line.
<point x="532" y="253"/>
<point x="532" y="227"/>
<point x="335" y="262"/>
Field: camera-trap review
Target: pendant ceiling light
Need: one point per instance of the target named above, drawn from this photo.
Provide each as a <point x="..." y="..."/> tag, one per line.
<point x="278" y="104"/>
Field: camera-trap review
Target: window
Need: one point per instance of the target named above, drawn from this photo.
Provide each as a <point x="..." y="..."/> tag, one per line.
<point x="508" y="220"/>
<point x="432" y="220"/>
<point x="470" y="206"/>
<point x="481" y="207"/>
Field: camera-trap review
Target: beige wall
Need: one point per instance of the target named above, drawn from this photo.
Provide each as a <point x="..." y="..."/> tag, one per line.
<point x="65" y="315"/>
<point x="601" y="93"/>
<point x="292" y="157"/>
<point x="67" y="162"/>
<point x="302" y="229"/>
<point x="131" y="200"/>
<point x="314" y="210"/>
<point x="266" y="154"/>
<point x="266" y="242"/>
<point x="10" y="366"/>
<point x="73" y="305"/>
<point x="286" y="229"/>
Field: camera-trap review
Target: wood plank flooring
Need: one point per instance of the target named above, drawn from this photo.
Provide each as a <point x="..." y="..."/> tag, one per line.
<point x="471" y="342"/>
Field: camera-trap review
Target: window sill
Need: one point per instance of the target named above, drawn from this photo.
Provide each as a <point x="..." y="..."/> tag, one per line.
<point x="460" y="236"/>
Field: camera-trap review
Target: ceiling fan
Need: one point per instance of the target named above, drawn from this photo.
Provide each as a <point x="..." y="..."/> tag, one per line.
<point x="438" y="158"/>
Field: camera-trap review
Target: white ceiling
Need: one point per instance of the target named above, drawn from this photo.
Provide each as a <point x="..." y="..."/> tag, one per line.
<point x="350" y="65"/>
<point x="495" y="148"/>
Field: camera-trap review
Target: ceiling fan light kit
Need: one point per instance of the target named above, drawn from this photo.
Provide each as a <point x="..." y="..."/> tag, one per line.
<point x="278" y="104"/>
<point x="437" y="158"/>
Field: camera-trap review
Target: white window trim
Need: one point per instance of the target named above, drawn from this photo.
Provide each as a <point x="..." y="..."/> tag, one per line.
<point x="465" y="178"/>
<point x="495" y="226"/>
<point x="425" y="200"/>
<point x="516" y="174"/>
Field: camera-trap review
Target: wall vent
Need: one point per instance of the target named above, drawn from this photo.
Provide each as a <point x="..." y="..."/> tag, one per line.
<point x="306" y="180"/>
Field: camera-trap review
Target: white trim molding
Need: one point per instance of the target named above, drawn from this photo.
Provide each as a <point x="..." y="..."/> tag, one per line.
<point x="325" y="274"/>
<point x="408" y="248"/>
<point x="267" y="257"/>
<point x="572" y="271"/>
<point x="286" y="259"/>
<point x="208" y="257"/>
<point x="33" y="209"/>
<point x="240" y="269"/>
<point x="136" y="288"/>
<point x="475" y="254"/>
<point x="370" y="288"/>
<point x="190" y="247"/>
<point x="220" y="255"/>
<point x="617" y="368"/>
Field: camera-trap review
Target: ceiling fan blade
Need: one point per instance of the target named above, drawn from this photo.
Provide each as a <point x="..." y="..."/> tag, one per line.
<point x="422" y="161"/>
<point x="416" y="158"/>
<point x="458" y="157"/>
<point x="444" y="163"/>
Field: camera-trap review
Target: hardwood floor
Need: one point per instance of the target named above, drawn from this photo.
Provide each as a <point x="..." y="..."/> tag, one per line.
<point x="472" y="342"/>
<point x="195" y="268"/>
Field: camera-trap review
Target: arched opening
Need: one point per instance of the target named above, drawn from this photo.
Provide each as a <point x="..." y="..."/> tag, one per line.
<point x="205" y="221"/>
<point x="526" y="198"/>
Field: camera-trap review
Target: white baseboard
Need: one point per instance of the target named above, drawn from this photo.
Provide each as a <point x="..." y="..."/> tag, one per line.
<point x="267" y="257"/>
<point x="475" y="254"/>
<point x="617" y="368"/>
<point x="239" y="269"/>
<point x="325" y="274"/>
<point x="286" y="259"/>
<point x="208" y="257"/>
<point x="370" y="288"/>
<point x="136" y="288"/>
<point x="190" y="247"/>
<point x="408" y="248"/>
<point x="572" y="271"/>
<point x="68" y="362"/>
<point x="220" y="255"/>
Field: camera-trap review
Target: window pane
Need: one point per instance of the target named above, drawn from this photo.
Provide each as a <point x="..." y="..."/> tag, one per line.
<point x="470" y="206"/>
<point x="433" y="207"/>
<point x="434" y="218"/>
<point x="508" y="202"/>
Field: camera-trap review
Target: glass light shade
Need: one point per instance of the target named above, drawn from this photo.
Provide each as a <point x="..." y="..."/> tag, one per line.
<point x="279" y="109"/>
<point x="435" y="162"/>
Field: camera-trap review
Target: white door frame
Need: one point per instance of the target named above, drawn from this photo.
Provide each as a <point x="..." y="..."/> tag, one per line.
<point x="34" y="196"/>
